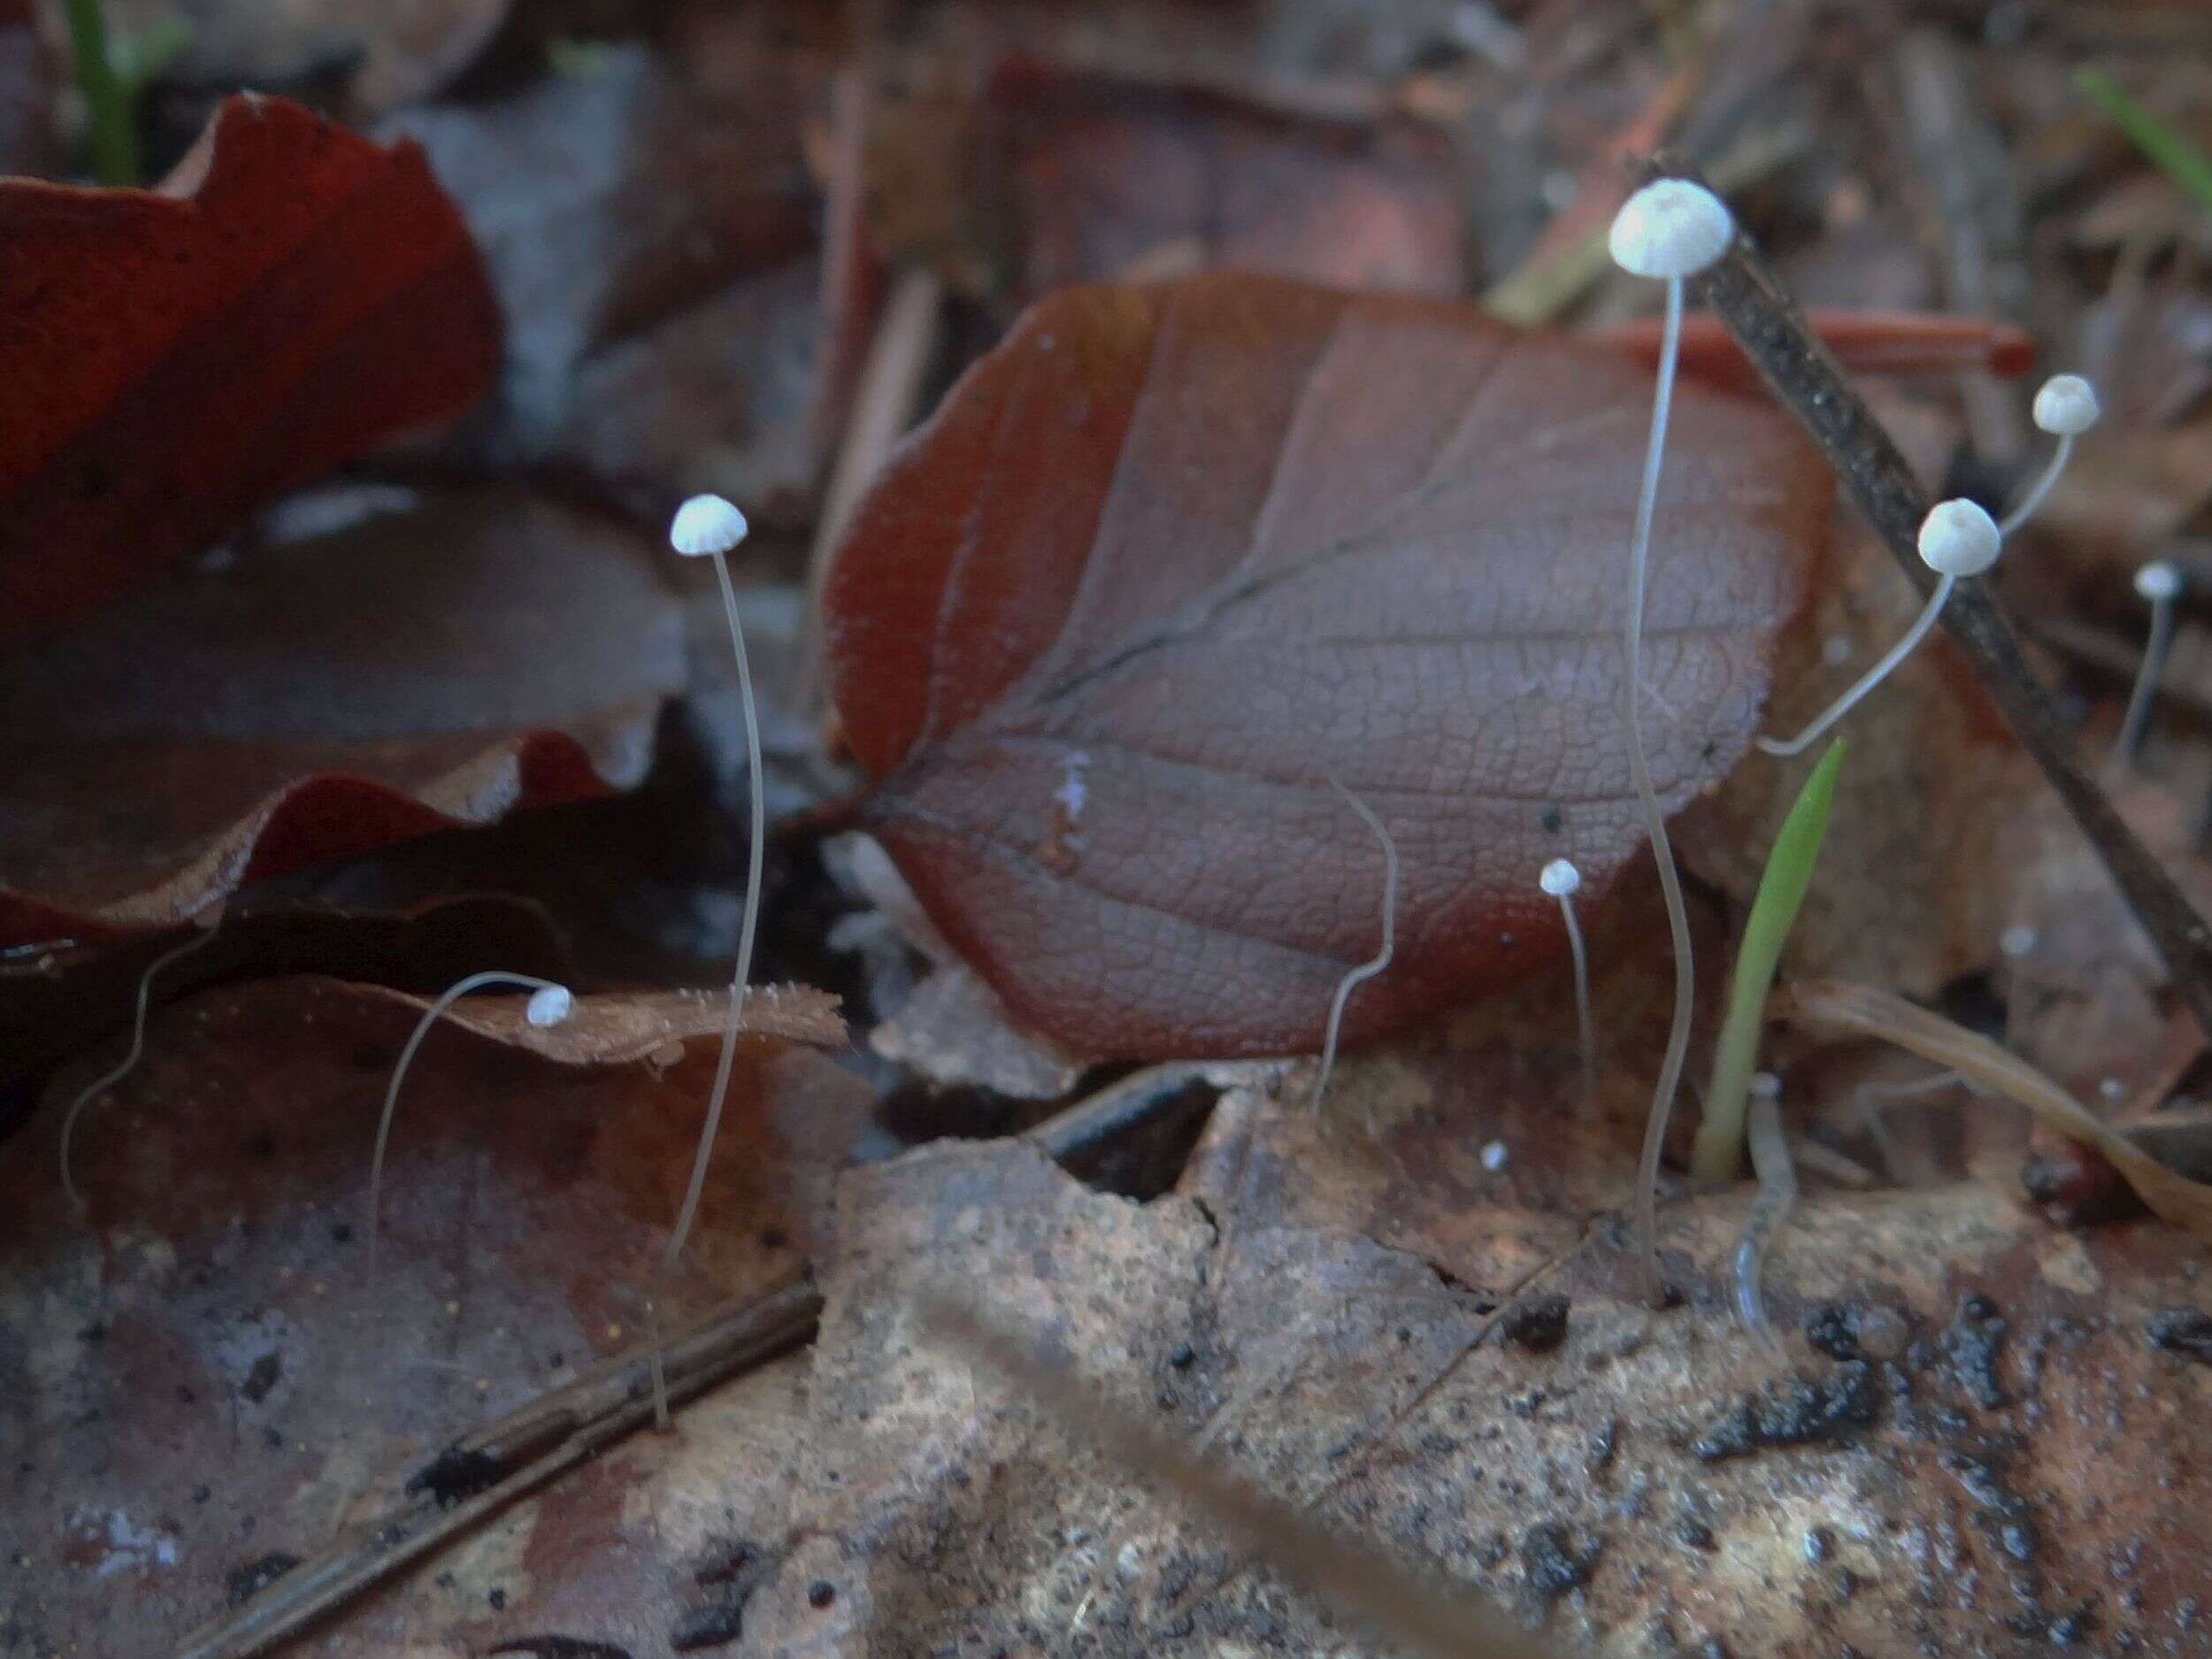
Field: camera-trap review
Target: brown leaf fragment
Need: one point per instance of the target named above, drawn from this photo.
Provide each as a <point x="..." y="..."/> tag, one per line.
<point x="616" y="1027"/>
<point x="1086" y="175"/>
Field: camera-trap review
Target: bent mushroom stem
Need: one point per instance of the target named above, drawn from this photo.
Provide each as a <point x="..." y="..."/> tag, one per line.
<point x="1375" y="964"/>
<point x="1866" y="682"/>
<point x="557" y="1009"/>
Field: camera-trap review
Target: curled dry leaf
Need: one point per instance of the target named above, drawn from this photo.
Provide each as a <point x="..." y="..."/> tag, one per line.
<point x="418" y="672"/>
<point x="1171" y="556"/>
<point x="1835" y="1009"/>
<point x="615" y="1027"/>
<point x="289" y="295"/>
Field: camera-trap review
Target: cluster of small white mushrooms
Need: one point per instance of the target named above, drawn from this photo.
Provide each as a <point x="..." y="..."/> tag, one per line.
<point x="1670" y="231"/>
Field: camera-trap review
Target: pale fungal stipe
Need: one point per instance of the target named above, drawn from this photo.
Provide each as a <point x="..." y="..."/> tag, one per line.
<point x="550" y="1004"/>
<point x="121" y="1069"/>
<point x="2159" y="584"/>
<point x="2065" y="407"/>
<point x="1668" y="230"/>
<point x="1561" y="880"/>
<point x="1380" y="960"/>
<point x="1957" y="539"/>
<point x="708" y="527"/>
<point x="1777" y="1191"/>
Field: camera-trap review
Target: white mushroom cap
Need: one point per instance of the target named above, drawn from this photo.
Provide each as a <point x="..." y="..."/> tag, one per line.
<point x="1671" y="229"/>
<point x="1958" y="539"/>
<point x="1559" y="878"/>
<point x="705" y="525"/>
<point x="2066" y="406"/>
<point x="550" y="1005"/>
<point x="2159" y="579"/>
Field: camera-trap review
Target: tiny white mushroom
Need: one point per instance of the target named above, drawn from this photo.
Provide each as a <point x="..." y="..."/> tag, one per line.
<point x="1668" y="230"/>
<point x="709" y="526"/>
<point x="1671" y="229"/>
<point x="550" y="1005"/>
<point x="1957" y="539"/>
<point x="2065" y="407"/>
<point x="2159" y="583"/>
<point x="1561" y="880"/>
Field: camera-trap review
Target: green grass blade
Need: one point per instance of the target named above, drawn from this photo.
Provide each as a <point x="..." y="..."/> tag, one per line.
<point x="2176" y="157"/>
<point x="1782" y="886"/>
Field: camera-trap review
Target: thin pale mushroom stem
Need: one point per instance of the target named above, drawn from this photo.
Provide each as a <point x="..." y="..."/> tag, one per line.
<point x="689" y="1213"/>
<point x="1872" y="678"/>
<point x="1585" y="1024"/>
<point x="115" y="1074"/>
<point x="431" y="1015"/>
<point x="1678" y="1049"/>
<point x="1377" y="964"/>
<point x="1777" y="1191"/>
<point x="1561" y="880"/>
<point x="2029" y="502"/>
<point x="2160" y="583"/>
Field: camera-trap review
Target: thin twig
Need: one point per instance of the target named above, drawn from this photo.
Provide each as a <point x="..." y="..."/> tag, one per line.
<point x="1749" y="299"/>
<point x="510" y="1459"/>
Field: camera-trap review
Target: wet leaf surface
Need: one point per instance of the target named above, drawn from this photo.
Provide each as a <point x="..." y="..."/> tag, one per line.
<point x="1172" y="556"/>
<point x="206" y="1380"/>
<point x="291" y="295"/>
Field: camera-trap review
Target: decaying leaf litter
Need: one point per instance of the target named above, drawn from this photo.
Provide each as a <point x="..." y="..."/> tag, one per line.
<point x="1173" y="554"/>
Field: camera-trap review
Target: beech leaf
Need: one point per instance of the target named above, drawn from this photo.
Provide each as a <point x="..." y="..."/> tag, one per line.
<point x="289" y="295"/>
<point x="1171" y="556"/>
<point x="313" y="699"/>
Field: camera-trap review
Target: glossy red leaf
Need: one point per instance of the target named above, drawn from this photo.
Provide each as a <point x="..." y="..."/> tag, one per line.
<point x="289" y="296"/>
<point x="1171" y="556"/>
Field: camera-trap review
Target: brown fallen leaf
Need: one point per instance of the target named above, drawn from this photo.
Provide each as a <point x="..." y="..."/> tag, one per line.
<point x="1084" y="174"/>
<point x="1831" y="1008"/>
<point x="649" y="228"/>
<point x="289" y="294"/>
<point x="256" y="1389"/>
<point x="616" y="1027"/>
<point x="417" y="672"/>
<point x="1169" y="556"/>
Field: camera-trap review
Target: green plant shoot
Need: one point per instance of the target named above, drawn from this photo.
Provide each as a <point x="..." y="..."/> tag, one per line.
<point x="1719" y="1150"/>
<point x="2175" y="156"/>
<point x="107" y="100"/>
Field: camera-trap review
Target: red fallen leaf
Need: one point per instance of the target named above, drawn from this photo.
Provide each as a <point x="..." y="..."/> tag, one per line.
<point x="1866" y="342"/>
<point x="1171" y="556"/>
<point x="1089" y="175"/>
<point x="416" y="673"/>
<point x="289" y="294"/>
